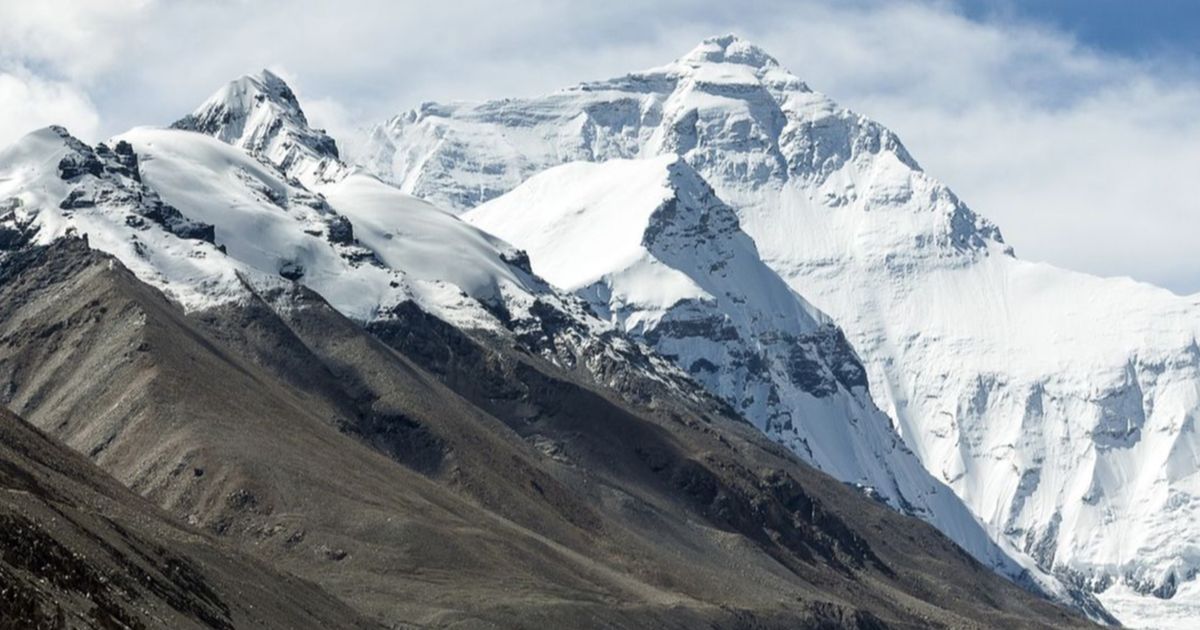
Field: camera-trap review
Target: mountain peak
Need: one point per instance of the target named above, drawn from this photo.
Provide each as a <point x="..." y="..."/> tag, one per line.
<point x="260" y="113"/>
<point x="238" y="100"/>
<point x="270" y="86"/>
<point x="265" y="76"/>
<point x="729" y="48"/>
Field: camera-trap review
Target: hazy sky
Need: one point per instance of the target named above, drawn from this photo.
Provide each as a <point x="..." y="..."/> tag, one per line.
<point x="1073" y="124"/>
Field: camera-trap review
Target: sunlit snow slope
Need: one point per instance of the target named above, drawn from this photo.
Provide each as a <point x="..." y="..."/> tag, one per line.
<point x="427" y="256"/>
<point x="1061" y="407"/>
<point x="652" y="248"/>
<point x="210" y="212"/>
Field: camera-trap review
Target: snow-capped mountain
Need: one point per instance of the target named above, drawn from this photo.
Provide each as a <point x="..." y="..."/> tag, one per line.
<point x="260" y="113"/>
<point x="209" y="218"/>
<point x="1061" y="407"/>
<point x="210" y="223"/>
<point x="652" y="248"/>
<point x="450" y="269"/>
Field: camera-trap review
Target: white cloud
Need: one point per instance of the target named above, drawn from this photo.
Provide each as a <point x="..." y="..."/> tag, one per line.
<point x="79" y="39"/>
<point x="1084" y="159"/>
<point x="28" y="102"/>
<point x="1107" y="185"/>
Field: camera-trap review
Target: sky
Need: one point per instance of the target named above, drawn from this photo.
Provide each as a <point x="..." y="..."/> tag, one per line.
<point x="1072" y="124"/>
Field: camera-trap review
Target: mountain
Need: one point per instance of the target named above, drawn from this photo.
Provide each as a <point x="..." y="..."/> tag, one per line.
<point x="1059" y="406"/>
<point x="260" y="113"/>
<point x="251" y="227"/>
<point x="286" y="429"/>
<point x="364" y="245"/>
<point x="78" y="549"/>
<point x="227" y="342"/>
<point x="651" y="247"/>
<point x="448" y="258"/>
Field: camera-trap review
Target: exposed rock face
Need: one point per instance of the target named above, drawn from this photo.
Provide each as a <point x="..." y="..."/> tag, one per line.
<point x="108" y="177"/>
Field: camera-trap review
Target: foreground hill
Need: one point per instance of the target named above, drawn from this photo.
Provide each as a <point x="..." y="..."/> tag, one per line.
<point x="519" y="495"/>
<point x="78" y="549"/>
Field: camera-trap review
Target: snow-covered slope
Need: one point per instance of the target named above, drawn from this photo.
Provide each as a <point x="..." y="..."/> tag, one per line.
<point x="475" y="281"/>
<point x="364" y="267"/>
<point x="1061" y="407"/>
<point x="205" y="222"/>
<point x="394" y="248"/>
<point x="652" y="248"/>
<point x="51" y="185"/>
<point x="208" y="222"/>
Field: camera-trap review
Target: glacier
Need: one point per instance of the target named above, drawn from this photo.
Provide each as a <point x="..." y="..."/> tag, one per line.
<point x="1061" y="407"/>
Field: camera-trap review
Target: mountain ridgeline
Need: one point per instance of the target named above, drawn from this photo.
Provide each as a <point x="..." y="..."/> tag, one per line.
<point x="1059" y="407"/>
<point x="560" y="367"/>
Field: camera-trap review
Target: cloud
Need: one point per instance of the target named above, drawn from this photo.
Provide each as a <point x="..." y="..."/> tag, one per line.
<point x="1105" y="185"/>
<point x="28" y="102"/>
<point x="1082" y="157"/>
<point x="79" y="39"/>
<point x="53" y="51"/>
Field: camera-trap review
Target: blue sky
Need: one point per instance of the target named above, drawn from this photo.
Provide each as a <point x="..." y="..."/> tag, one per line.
<point x="1072" y="124"/>
<point x="1138" y="28"/>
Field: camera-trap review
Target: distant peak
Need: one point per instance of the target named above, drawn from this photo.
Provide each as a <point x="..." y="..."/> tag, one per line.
<point x="222" y="113"/>
<point x="729" y="49"/>
<point x="259" y="112"/>
<point x="258" y="89"/>
<point x="273" y="87"/>
<point x="266" y="76"/>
